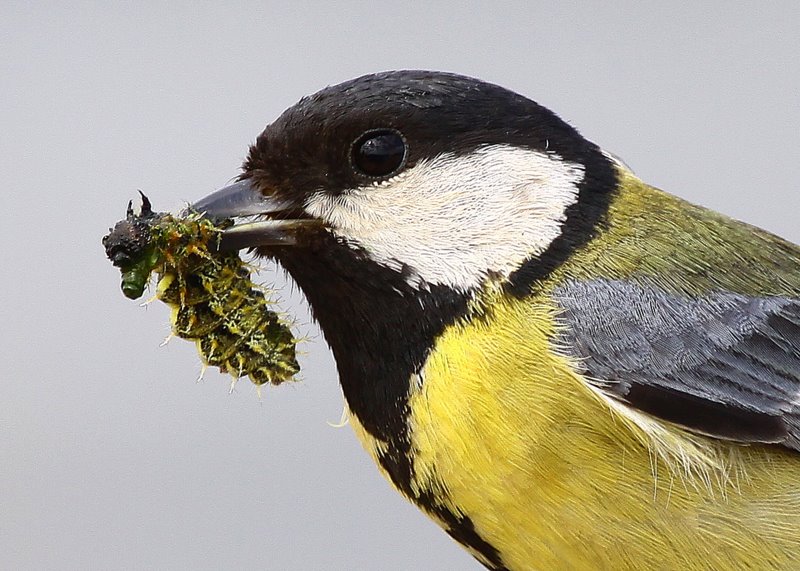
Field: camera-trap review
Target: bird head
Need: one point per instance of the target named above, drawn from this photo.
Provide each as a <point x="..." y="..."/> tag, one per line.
<point x="394" y="198"/>
<point x="443" y="179"/>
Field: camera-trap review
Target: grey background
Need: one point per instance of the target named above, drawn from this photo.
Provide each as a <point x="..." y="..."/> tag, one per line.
<point x="111" y="456"/>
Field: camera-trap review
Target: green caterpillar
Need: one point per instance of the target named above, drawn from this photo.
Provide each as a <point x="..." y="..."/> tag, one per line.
<point x="214" y="302"/>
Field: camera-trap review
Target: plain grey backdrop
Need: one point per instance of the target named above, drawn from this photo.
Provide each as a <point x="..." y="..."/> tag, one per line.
<point x="111" y="455"/>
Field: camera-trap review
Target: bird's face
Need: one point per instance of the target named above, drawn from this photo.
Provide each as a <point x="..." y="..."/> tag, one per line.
<point x="392" y="199"/>
<point x="441" y="179"/>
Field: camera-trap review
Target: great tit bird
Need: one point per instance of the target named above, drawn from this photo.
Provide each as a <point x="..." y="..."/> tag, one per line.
<point x="564" y="367"/>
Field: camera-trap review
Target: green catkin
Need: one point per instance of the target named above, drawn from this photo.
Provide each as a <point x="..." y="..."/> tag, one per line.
<point x="214" y="302"/>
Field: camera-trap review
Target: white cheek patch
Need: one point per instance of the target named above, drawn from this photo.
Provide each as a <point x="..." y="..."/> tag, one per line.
<point x="453" y="220"/>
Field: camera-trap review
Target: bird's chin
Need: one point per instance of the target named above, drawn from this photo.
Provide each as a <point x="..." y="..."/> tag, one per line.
<point x="261" y="221"/>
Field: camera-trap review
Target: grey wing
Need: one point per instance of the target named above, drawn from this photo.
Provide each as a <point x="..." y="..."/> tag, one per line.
<point x="725" y="364"/>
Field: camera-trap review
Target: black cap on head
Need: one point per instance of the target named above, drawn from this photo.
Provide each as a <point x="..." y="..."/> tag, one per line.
<point x="309" y="146"/>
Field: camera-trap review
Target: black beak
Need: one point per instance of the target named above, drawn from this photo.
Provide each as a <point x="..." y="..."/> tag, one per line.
<point x="242" y="199"/>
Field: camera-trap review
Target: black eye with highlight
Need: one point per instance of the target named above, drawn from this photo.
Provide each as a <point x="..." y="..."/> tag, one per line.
<point x="379" y="152"/>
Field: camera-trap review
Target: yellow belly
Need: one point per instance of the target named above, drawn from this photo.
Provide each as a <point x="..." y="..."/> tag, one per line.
<point x="553" y="477"/>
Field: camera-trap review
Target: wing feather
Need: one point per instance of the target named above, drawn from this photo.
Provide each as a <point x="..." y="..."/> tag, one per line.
<point x="723" y="364"/>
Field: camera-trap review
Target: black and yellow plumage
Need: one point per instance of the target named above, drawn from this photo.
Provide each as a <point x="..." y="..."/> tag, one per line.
<point x="564" y="367"/>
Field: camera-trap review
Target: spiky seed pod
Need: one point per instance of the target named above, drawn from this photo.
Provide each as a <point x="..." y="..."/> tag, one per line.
<point x="213" y="298"/>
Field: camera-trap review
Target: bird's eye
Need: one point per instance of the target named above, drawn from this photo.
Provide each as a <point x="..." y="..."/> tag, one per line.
<point x="379" y="152"/>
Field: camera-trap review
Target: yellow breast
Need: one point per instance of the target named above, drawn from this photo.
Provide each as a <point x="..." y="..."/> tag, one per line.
<point x="554" y="476"/>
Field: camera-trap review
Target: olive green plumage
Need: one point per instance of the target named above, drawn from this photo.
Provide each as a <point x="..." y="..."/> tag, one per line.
<point x="684" y="247"/>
